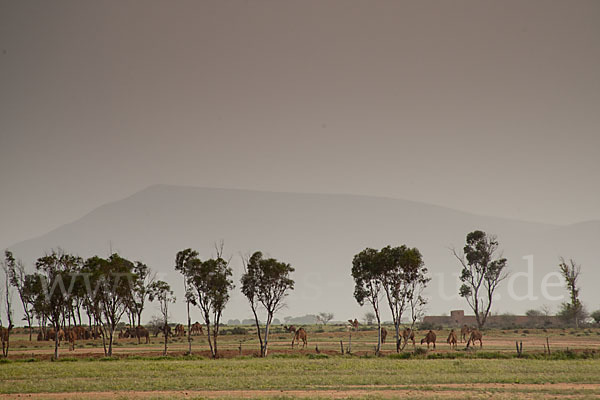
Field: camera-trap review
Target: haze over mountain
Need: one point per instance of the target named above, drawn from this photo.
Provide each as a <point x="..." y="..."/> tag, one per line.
<point x="319" y="234"/>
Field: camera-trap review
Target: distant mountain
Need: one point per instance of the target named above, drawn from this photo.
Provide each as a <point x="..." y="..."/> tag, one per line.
<point x="318" y="234"/>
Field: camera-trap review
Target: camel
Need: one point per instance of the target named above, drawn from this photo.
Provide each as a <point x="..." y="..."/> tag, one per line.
<point x="464" y="333"/>
<point x="197" y="329"/>
<point x="50" y="334"/>
<point x="179" y="330"/>
<point x="383" y="335"/>
<point x="141" y="332"/>
<point x="408" y="334"/>
<point x="299" y="335"/>
<point x="353" y="324"/>
<point x="4" y="338"/>
<point x="429" y="338"/>
<point x="71" y="336"/>
<point x="475" y="335"/>
<point x="452" y="340"/>
<point x="291" y="328"/>
<point x="80" y="333"/>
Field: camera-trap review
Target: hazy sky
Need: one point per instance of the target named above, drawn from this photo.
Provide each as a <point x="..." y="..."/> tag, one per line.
<point x="491" y="107"/>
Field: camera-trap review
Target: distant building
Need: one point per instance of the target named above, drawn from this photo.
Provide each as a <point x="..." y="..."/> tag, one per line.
<point x="458" y="318"/>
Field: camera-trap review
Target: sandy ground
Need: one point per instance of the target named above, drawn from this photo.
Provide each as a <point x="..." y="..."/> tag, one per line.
<point x="495" y="391"/>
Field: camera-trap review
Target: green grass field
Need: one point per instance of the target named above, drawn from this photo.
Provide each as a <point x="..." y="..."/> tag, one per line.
<point x="139" y="371"/>
<point x="301" y="373"/>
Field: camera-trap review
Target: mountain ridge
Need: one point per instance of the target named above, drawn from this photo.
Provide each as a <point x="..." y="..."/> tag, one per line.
<point x="317" y="233"/>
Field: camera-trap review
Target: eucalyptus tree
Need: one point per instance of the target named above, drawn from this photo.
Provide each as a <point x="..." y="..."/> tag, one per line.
<point x="482" y="272"/>
<point x="404" y="277"/>
<point x="368" y="274"/>
<point x="161" y="292"/>
<point x="572" y="312"/>
<point x="19" y="280"/>
<point x="111" y="291"/>
<point x="266" y="282"/>
<point x="211" y="281"/>
<point x="57" y="275"/>
<point x="183" y="262"/>
<point x="143" y="277"/>
<point x="6" y="291"/>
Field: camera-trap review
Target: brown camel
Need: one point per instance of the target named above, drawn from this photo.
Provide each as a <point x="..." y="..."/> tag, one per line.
<point x="300" y="335"/>
<point x="197" y="328"/>
<point x="353" y="324"/>
<point x="141" y="332"/>
<point x="452" y="340"/>
<point x="71" y="336"/>
<point x="4" y="338"/>
<point x="80" y="333"/>
<point x="291" y="328"/>
<point x="179" y="330"/>
<point x="408" y="334"/>
<point x="464" y="333"/>
<point x="475" y="335"/>
<point x="383" y="335"/>
<point x="429" y="338"/>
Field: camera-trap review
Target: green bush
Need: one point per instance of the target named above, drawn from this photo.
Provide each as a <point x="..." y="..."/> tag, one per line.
<point x="238" y="330"/>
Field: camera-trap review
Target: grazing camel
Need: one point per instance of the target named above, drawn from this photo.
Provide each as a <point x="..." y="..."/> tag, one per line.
<point x="408" y="334"/>
<point x="300" y="335"/>
<point x="71" y="336"/>
<point x="80" y="333"/>
<point x="383" y="335"/>
<point x="141" y="332"/>
<point x="179" y="330"/>
<point x="197" y="328"/>
<point x="4" y="338"/>
<point x="452" y="340"/>
<point x="50" y="334"/>
<point x="353" y="324"/>
<point x="429" y="338"/>
<point x="464" y="333"/>
<point x="475" y="335"/>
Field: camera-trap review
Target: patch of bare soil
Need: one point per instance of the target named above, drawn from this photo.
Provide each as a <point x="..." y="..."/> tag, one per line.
<point x="488" y="390"/>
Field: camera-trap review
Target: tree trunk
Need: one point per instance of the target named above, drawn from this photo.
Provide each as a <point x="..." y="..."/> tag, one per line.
<point x="104" y="341"/>
<point x="56" y="328"/>
<point x="30" y="327"/>
<point x="189" y="329"/>
<point x="215" y="333"/>
<point x="110" y="341"/>
<point x="166" y="339"/>
<point x="212" y="352"/>
<point x="266" y="344"/>
<point x="378" y="334"/>
<point x="258" y="329"/>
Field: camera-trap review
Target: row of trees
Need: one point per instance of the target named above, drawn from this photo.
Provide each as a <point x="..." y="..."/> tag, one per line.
<point x="64" y="286"/>
<point x="399" y="275"/>
<point x="265" y="283"/>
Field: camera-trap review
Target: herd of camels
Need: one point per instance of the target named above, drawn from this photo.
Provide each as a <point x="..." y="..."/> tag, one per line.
<point x="468" y="334"/>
